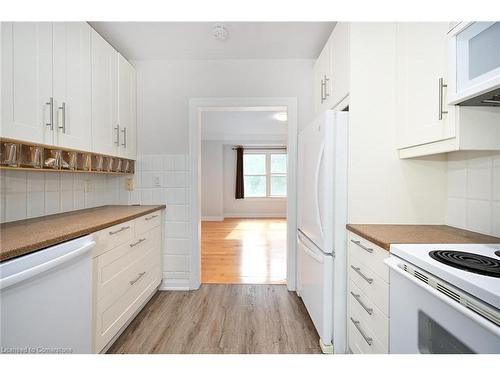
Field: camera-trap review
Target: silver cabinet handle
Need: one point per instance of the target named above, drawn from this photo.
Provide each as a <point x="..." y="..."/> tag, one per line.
<point x="326" y="79"/>
<point x="50" y="103"/>
<point x="322" y="91"/>
<point x="63" y="109"/>
<point x="138" y="242"/>
<point x="368" y="339"/>
<point x="358" y="271"/>
<point x="117" y="141"/>
<point x="124" y="131"/>
<point x="442" y="85"/>
<point x="119" y="230"/>
<point x="368" y="249"/>
<point x="151" y="217"/>
<point x="357" y="297"/>
<point x="132" y="282"/>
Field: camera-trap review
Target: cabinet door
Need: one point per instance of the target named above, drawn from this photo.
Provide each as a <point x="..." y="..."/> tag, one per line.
<point x="27" y="81"/>
<point x="127" y="108"/>
<point x="421" y="53"/>
<point x="317" y="86"/>
<point x="323" y="79"/>
<point x="105" y="131"/>
<point x="339" y="45"/>
<point x="72" y="84"/>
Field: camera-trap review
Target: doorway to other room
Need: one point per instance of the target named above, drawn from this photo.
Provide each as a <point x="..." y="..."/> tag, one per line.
<point x="244" y="196"/>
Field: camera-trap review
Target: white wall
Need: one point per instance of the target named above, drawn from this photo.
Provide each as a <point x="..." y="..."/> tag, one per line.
<point x="255" y="207"/>
<point x="474" y="191"/>
<point x="218" y="175"/>
<point x="164" y="88"/>
<point x="382" y="187"/>
<point x="26" y="195"/>
<point x="212" y="176"/>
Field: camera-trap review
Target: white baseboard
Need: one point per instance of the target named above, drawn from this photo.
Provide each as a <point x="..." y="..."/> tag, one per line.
<point x="174" y="284"/>
<point x="212" y="218"/>
<point x="255" y="215"/>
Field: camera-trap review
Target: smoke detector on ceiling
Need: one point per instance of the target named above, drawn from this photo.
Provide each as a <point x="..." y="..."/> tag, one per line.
<point x="220" y="33"/>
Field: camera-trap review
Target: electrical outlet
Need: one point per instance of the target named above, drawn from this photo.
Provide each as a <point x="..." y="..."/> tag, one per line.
<point x="129" y="182"/>
<point x="87" y="186"/>
<point x="156" y="181"/>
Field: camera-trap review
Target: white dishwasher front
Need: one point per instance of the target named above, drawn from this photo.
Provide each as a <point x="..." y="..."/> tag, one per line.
<point x="46" y="300"/>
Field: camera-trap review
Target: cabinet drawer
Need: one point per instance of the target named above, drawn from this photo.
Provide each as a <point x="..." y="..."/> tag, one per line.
<point x="369" y="314"/>
<point x="370" y="255"/>
<point x="111" y="318"/>
<point x="114" y="236"/>
<point x="370" y="284"/>
<point x="361" y="338"/>
<point x="114" y="269"/>
<point x="147" y="222"/>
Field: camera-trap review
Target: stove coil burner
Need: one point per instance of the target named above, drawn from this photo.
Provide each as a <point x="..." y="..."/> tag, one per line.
<point x="475" y="263"/>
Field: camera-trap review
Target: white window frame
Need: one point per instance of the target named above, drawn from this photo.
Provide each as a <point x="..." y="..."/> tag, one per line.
<point x="268" y="173"/>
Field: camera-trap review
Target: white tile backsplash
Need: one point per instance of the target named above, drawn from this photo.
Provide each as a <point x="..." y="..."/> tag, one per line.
<point x="474" y="191"/>
<point x="33" y="194"/>
<point x="165" y="179"/>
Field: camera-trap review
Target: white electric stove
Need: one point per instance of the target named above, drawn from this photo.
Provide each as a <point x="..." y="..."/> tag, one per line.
<point x="445" y="298"/>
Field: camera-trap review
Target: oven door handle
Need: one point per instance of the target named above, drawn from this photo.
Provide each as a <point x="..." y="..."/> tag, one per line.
<point x="394" y="264"/>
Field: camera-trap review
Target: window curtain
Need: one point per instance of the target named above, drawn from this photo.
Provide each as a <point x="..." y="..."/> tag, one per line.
<point x="240" y="186"/>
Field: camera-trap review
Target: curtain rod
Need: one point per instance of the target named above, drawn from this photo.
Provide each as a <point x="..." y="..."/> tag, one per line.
<point x="260" y="148"/>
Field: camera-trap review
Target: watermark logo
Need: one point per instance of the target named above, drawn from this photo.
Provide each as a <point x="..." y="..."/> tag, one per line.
<point x="35" y="350"/>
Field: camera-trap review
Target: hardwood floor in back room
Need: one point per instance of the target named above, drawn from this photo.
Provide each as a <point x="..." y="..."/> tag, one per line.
<point x="238" y="319"/>
<point x="243" y="251"/>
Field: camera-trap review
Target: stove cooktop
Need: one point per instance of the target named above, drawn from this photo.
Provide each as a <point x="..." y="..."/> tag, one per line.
<point x="473" y="268"/>
<point x="470" y="262"/>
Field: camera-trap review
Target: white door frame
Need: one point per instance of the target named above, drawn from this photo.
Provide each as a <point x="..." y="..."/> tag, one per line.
<point x="196" y="107"/>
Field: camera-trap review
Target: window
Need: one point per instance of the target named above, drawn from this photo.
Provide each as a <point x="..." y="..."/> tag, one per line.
<point x="264" y="174"/>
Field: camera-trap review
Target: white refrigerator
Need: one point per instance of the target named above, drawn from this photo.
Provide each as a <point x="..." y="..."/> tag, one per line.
<point x="321" y="235"/>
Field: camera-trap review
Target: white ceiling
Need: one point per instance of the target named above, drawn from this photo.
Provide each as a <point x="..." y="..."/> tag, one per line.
<point x="242" y="126"/>
<point x="194" y="40"/>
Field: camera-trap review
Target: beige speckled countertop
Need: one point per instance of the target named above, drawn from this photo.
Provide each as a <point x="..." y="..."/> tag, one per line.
<point x="384" y="235"/>
<point x="26" y="236"/>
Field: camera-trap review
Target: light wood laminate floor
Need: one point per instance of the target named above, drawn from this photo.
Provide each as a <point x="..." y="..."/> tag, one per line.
<point x="222" y="319"/>
<point x="243" y="251"/>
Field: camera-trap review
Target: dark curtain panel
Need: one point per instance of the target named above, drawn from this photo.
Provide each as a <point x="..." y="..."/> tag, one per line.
<point x="240" y="186"/>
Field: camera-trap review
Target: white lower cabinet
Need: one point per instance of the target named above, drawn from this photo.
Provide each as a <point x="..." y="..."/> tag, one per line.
<point x="368" y="297"/>
<point x="126" y="272"/>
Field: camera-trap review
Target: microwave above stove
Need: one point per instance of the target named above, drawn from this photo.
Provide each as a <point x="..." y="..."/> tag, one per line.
<point x="474" y="64"/>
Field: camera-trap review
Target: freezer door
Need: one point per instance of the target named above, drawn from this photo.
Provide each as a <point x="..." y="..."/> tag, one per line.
<point x="316" y="286"/>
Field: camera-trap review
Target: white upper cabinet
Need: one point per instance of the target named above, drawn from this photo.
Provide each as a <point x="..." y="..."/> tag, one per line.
<point x="421" y="112"/>
<point x="27" y="81"/>
<point x="426" y="124"/>
<point x="127" y="108"/>
<point x="105" y="128"/>
<point x="339" y="56"/>
<point x="331" y="70"/>
<point x="72" y="84"/>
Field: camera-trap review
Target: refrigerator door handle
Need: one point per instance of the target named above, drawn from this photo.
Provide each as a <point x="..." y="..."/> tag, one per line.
<point x="318" y="171"/>
<point x="313" y="254"/>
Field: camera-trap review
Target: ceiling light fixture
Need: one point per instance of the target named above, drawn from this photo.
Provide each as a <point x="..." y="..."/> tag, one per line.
<point x="220" y="33"/>
<point x="281" y="116"/>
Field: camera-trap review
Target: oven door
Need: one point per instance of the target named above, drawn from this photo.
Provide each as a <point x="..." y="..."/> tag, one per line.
<point x="424" y="320"/>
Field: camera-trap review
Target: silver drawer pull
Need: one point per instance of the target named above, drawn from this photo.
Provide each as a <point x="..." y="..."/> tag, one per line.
<point x="138" y="242"/>
<point x="151" y="217"/>
<point x="357" y="298"/>
<point x="370" y="250"/>
<point x="137" y="278"/>
<point x="358" y="271"/>
<point x="119" y="230"/>
<point x="368" y="339"/>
